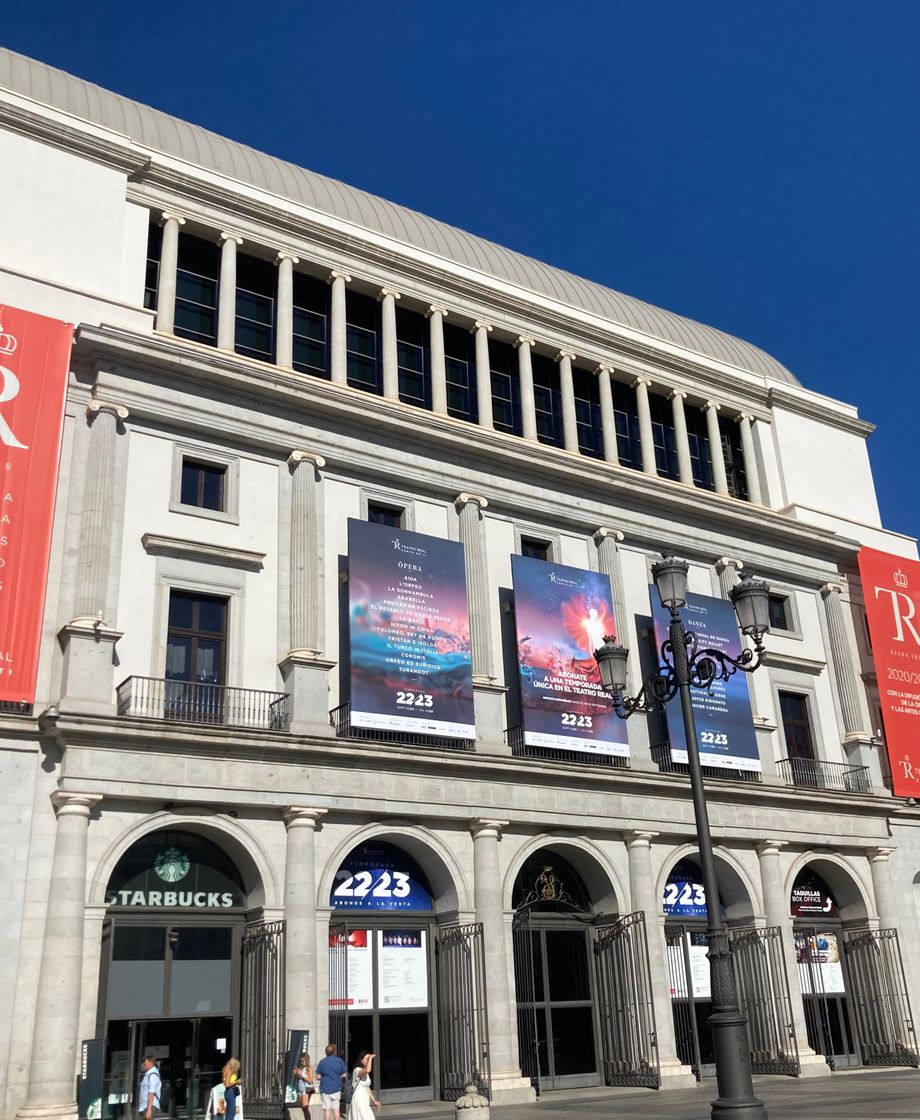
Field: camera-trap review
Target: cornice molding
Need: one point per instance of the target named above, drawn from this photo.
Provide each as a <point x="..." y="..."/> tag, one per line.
<point x="157" y="545"/>
<point x="798" y="401"/>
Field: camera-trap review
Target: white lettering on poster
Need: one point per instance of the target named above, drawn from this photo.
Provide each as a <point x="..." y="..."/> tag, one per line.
<point x="199" y="900"/>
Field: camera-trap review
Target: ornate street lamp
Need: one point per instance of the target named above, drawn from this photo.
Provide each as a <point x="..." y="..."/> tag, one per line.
<point x="683" y="665"/>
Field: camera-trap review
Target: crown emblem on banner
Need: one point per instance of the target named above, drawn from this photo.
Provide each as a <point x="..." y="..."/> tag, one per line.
<point x="899" y="577"/>
<point x="8" y="342"/>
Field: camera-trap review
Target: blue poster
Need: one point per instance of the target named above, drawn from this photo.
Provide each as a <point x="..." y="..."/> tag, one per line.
<point x="378" y="876"/>
<point x="684" y="893"/>
<point x="562" y="615"/>
<point x="411" y="662"/>
<point x="724" y="724"/>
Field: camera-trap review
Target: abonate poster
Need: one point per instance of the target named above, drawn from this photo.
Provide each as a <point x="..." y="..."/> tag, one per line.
<point x="724" y="723"/>
<point x="411" y="662"/>
<point x="402" y="968"/>
<point x="562" y="615"/>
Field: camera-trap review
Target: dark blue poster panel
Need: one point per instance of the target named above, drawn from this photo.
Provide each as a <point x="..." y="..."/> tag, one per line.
<point x="378" y="876"/>
<point x="562" y="615"/>
<point x="724" y="724"/>
<point x="89" y="1083"/>
<point x="411" y="663"/>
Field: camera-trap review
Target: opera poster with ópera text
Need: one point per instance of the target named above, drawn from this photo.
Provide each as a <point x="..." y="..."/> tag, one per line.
<point x="411" y="661"/>
<point x="562" y="615"/>
<point x="724" y="723"/>
<point x="891" y="588"/>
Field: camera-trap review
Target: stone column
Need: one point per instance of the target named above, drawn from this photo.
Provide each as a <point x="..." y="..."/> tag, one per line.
<point x="284" y="309"/>
<point x="646" y="436"/>
<point x="719" y="478"/>
<point x="751" y="471"/>
<point x="684" y="463"/>
<point x="483" y="374"/>
<point x="844" y="668"/>
<point x="608" y="417"/>
<point x="338" y="336"/>
<point x="608" y="562"/>
<point x="729" y="570"/>
<point x="569" y="418"/>
<point x="508" y="1086"/>
<point x="886" y="905"/>
<point x="166" y="275"/>
<point x="55" y="1034"/>
<point x="388" y="298"/>
<point x="436" y="316"/>
<point x="226" y="292"/>
<point x="528" y="400"/>
<point x="300" y="947"/>
<point x="643" y="898"/>
<point x="776" y="913"/>
<point x="304" y="671"/>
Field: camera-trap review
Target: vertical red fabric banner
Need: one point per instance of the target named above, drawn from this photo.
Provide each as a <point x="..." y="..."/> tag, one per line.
<point x="891" y="586"/>
<point x="34" y="364"/>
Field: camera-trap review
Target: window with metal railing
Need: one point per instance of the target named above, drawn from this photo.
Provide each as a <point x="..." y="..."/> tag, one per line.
<point x="362" y="343"/>
<point x="460" y="364"/>
<point x="255" y="308"/>
<point x="626" y="419"/>
<point x="698" y="439"/>
<point x="506" y="389"/>
<point x="311" y="325"/>
<point x="735" y="470"/>
<point x="588" y="413"/>
<point x="196" y="289"/>
<point x="547" y="399"/>
<point x="152" y="272"/>
<point x="664" y="436"/>
<point x="413" y="359"/>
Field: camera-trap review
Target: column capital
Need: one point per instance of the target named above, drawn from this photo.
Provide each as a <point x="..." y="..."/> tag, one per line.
<point x="729" y="562"/>
<point x="524" y="340"/>
<point x="879" y="855"/>
<point x="479" y="325"/>
<point x="285" y="255"/>
<point x="641" y="380"/>
<point x="832" y="588"/>
<point x="603" y="367"/>
<point x="384" y="292"/>
<point x="770" y="847"/>
<point x="563" y="354"/>
<point x="639" y="838"/>
<point x="298" y="456"/>
<point x="606" y="531"/>
<point x="298" y="816"/>
<point x="481" y="827"/>
<point x="466" y="499"/>
<point x="436" y="309"/>
<point x="226" y="235"/>
<point x="96" y="406"/>
<point x="169" y="216"/>
<point x="677" y="393"/>
<point x="714" y="405"/>
<point x="749" y="416"/>
<point x="68" y="804"/>
<point x="337" y="275"/>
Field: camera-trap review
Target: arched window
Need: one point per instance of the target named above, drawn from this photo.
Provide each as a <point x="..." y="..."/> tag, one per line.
<point x="549" y="883"/>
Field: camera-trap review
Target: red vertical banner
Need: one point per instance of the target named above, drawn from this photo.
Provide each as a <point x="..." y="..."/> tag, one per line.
<point x="891" y="586"/>
<point x="34" y="363"/>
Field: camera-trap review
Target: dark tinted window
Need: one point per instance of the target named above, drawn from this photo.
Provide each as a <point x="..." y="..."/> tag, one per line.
<point x="203" y="484"/>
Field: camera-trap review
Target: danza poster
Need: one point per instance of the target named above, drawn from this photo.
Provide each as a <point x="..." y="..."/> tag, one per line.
<point x="724" y="724"/>
<point x="411" y="661"/>
<point x="562" y="615"/>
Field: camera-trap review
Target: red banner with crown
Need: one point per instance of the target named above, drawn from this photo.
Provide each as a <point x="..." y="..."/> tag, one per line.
<point x="34" y="363"/>
<point x="891" y="586"/>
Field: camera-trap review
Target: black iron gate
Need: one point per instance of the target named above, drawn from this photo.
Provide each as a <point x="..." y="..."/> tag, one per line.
<point x="763" y="992"/>
<point x="525" y="994"/>
<point x="878" y="990"/>
<point x="262" y="1037"/>
<point x="627" y="1013"/>
<point x="463" y="1021"/>
<point x="338" y="987"/>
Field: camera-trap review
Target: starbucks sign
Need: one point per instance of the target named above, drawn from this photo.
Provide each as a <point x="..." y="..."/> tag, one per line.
<point x="175" y="870"/>
<point x="172" y="864"/>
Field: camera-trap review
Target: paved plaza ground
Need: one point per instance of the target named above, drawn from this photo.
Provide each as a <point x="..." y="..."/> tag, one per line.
<point x="882" y="1095"/>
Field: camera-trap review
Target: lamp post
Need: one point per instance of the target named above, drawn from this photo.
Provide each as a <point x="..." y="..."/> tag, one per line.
<point x="683" y="666"/>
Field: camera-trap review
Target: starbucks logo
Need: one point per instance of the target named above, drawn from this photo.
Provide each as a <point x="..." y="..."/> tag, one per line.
<point x="172" y="864"/>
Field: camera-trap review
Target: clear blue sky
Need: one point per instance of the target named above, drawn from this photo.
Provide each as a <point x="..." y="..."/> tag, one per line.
<point x="753" y="165"/>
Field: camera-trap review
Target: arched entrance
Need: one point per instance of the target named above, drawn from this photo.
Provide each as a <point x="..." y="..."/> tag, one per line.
<point x="170" y="971"/>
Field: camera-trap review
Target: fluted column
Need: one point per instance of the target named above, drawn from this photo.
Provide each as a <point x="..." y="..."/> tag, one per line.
<point x="886" y="905"/>
<point x="646" y="435"/>
<point x="300" y="948"/>
<point x="436" y="316"/>
<point x="525" y="376"/>
<point x="483" y="375"/>
<point x="751" y="473"/>
<point x="472" y="536"/>
<point x="719" y="478"/>
<point x="684" y="463"/>
<point x="226" y="292"/>
<point x="305" y="574"/>
<point x="338" y="338"/>
<point x="567" y="389"/>
<point x="608" y="561"/>
<point x="167" y="273"/>
<point x="608" y="417"/>
<point x="842" y="659"/>
<point x="57" y="1004"/>
<point x="729" y="569"/>
<point x="98" y="510"/>
<point x="284" y="309"/>
<point x="388" y="298"/>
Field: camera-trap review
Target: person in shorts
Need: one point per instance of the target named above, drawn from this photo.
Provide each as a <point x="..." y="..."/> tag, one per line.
<point x="331" y="1072"/>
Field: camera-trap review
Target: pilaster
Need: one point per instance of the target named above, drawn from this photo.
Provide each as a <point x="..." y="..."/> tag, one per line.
<point x="646" y="435"/>
<point x="751" y="470"/>
<point x="388" y="298"/>
<point x="608" y="418"/>
<point x="681" y="440"/>
<point x="167" y="272"/>
<point x="338" y="350"/>
<point x="717" y="458"/>
<point x="483" y="374"/>
<point x="284" y="317"/>
<point x="301" y="995"/>
<point x="524" y="346"/>
<point x="436" y="316"/>
<point x="567" y="389"/>
<point x="226" y="291"/>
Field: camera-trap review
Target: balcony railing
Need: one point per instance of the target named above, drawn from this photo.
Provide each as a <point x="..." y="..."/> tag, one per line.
<point x="812" y="773"/>
<point x="661" y="754"/>
<point x="340" y="718"/>
<point x="190" y="702"/>
<point x="514" y="737"/>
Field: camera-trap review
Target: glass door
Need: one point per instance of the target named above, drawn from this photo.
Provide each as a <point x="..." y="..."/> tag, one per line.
<point x="564" y="1005"/>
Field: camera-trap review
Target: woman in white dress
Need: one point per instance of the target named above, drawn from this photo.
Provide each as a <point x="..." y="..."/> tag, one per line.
<point x="363" y="1101"/>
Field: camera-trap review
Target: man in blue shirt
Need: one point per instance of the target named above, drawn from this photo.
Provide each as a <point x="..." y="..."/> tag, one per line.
<point x="148" y="1095"/>
<point x="332" y="1072"/>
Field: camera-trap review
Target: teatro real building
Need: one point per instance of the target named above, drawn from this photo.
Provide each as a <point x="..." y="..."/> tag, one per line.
<point x="314" y="511"/>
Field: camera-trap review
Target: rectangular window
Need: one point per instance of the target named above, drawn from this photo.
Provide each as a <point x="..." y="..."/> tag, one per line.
<point x="536" y="549"/>
<point x="311" y="317"/>
<point x="461" y="373"/>
<point x="196" y="289"/>
<point x="203" y="484"/>
<point x="796" y="725"/>
<point x="255" y="308"/>
<point x="588" y="413"/>
<point x="412" y="358"/>
<point x="548" y="400"/>
<point x="196" y="654"/>
<point x="626" y="418"/>
<point x="698" y="438"/>
<point x="380" y="514"/>
<point x="361" y="342"/>
<point x="506" y="394"/>
<point x="735" y="472"/>
<point x="779" y="613"/>
<point x="663" y="435"/>
<point x="152" y="275"/>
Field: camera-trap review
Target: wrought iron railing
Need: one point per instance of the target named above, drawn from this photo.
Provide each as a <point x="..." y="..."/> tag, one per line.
<point x="340" y="718"/>
<point x="514" y="737"/>
<point x="813" y="773"/>
<point x="661" y="755"/>
<point x="191" y="702"/>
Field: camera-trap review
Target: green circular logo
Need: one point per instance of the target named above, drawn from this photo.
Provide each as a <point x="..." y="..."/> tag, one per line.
<point x="172" y="864"/>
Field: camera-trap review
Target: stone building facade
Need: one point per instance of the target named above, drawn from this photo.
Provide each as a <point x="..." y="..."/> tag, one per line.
<point x="261" y="354"/>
